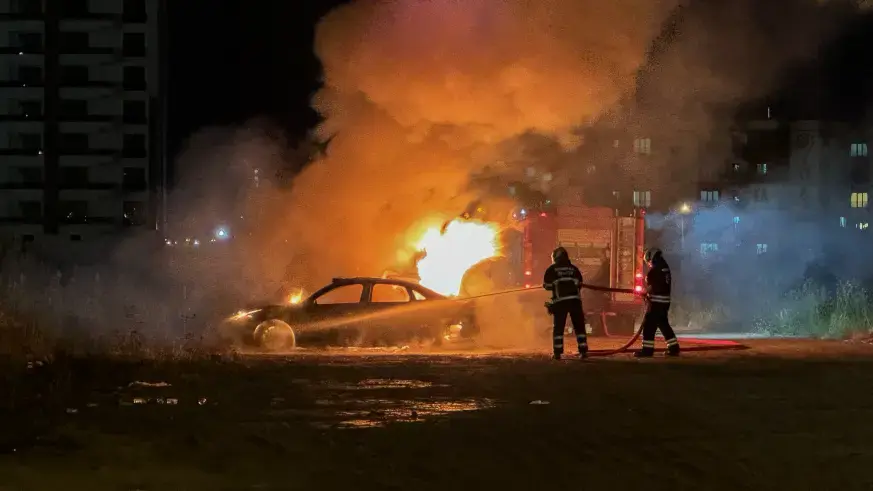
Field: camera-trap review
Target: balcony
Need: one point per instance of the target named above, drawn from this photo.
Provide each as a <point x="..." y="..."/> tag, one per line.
<point x="72" y="219"/>
<point x="79" y="83"/>
<point x="21" y="50"/>
<point x="36" y="15"/>
<point x="89" y="50"/>
<point x="22" y="152"/>
<point x="21" y="220"/>
<point x="20" y="118"/>
<point x="89" y="152"/>
<point x="11" y="84"/>
<point x="88" y="118"/>
<point x="13" y="185"/>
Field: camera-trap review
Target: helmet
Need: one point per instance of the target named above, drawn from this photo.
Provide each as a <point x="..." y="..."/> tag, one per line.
<point x="559" y="253"/>
<point x="651" y="254"/>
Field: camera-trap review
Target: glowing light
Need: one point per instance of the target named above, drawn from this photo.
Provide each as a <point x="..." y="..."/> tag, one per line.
<point x="452" y="251"/>
<point x="296" y="297"/>
<point x="222" y="233"/>
<point x="684" y="208"/>
<point x="242" y="314"/>
<point x="638" y="289"/>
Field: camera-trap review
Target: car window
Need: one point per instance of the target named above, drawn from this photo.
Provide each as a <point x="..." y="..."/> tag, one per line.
<point x="418" y="295"/>
<point x="342" y="294"/>
<point x="383" y="293"/>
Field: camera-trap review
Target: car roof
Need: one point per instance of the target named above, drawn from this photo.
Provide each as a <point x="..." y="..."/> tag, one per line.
<point x="385" y="281"/>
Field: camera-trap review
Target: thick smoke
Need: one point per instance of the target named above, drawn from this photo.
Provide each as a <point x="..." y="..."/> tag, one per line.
<point x="714" y="56"/>
<point x="419" y="96"/>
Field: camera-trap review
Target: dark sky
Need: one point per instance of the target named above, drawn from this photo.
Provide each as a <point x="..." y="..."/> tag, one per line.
<point x="234" y="60"/>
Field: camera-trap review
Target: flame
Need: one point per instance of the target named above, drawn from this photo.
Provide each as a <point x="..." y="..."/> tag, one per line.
<point x="296" y="298"/>
<point x="452" y="250"/>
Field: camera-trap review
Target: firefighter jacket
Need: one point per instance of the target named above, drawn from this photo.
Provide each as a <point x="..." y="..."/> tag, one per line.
<point x="658" y="282"/>
<point x="564" y="280"/>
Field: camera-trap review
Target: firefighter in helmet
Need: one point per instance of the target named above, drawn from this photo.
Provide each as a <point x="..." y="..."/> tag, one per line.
<point x="564" y="280"/>
<point x="658" y="285"/>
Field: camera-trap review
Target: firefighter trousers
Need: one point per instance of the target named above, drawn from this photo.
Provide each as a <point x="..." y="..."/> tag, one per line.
<point x="657" y="317"/>
<point x="560" y="311"/>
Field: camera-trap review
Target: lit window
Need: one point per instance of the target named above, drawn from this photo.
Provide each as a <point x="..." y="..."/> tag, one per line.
<point x="859" y="200"/>
<point x="707" y="248"/>
<point x="843" y="222"/>
<point x="762" y="248"/>
<point x="709" y="195"/>
<point x="862" y="225"/>
<point x="643" y="146"/>
<point x="642" y="198"/>
<point x="858" y="150"/>
<point x="762" y="169"/>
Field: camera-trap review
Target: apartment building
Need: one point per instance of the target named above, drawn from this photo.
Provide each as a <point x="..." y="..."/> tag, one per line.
<point x="82" y="94"/>
<point x="789" y="180"/>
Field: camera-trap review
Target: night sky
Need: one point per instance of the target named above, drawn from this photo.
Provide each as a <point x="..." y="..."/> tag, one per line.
<point x="234" y="60"/>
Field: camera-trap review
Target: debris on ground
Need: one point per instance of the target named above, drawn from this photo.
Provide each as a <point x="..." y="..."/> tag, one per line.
<point x="149" y="384"/>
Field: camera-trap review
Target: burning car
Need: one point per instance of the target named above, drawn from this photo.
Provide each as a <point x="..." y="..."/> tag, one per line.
<point x="360" y="311"/>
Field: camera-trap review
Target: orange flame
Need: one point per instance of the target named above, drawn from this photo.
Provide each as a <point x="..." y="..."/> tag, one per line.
<point x="296" y="298"/>
<point x="453" y="250"/>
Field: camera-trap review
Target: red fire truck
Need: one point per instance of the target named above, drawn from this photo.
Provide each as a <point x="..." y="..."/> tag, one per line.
<point x="605" y="245"/>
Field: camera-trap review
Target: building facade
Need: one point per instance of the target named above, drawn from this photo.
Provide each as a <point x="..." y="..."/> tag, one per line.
<point x="786" y="182"/>
<point x="82" y="117"/>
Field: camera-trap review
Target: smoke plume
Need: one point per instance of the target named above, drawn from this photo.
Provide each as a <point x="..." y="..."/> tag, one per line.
<point x="421" y="95"/>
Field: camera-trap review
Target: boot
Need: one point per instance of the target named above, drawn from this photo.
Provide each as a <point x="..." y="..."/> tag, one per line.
<point x="644" y="353"/>
<point x="672" y="350"/>
<point x="556" y="356"/>
<point x="583" y="354"/>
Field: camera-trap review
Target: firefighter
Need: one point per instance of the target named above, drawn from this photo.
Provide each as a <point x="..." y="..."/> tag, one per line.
<point x="658" y="285"/>
<point x="564" y="280"/>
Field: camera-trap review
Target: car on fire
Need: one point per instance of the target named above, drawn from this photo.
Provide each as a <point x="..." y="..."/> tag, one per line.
<point x="360" y="311"/>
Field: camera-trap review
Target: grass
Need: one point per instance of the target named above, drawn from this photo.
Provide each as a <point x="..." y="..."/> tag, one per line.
<point x="708" y="421"/>
<point x="813" y="311"/>
<point x="807" y="311"/>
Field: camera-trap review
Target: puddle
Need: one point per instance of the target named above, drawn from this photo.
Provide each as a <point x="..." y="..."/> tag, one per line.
<point x="380" y="383"/>
<point x="375" y="413"/>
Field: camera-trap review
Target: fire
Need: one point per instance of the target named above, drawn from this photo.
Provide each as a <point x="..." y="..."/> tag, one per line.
<point x="454" y="249"/>
<point x="296" y="298"/>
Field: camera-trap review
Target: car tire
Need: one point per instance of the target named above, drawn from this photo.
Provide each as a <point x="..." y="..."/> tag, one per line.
<point x="275" y="335"/>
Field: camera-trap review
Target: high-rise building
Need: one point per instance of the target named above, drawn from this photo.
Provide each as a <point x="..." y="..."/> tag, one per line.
<point x="82" y="116"/>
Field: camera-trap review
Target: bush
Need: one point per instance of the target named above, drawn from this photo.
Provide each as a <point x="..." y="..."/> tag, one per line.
<point x="813" y="311"/>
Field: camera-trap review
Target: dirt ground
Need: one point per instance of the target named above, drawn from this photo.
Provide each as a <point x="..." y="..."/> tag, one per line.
<point x="780" y="415"/>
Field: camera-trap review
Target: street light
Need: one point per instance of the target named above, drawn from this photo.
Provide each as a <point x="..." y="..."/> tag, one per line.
<point x="684" y="209"/>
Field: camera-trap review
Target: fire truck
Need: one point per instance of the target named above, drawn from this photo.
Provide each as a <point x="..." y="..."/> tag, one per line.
<point x="605" y="244"/>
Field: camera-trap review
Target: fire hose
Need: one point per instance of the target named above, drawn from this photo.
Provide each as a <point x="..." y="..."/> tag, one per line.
<point x="626" y="346"/>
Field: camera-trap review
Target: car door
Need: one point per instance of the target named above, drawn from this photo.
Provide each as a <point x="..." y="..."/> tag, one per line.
<point x="396" y="320"/>
<point x="335" y="310"/>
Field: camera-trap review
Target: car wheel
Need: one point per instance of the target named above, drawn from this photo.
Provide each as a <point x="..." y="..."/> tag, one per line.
<point x="275" y="335"/>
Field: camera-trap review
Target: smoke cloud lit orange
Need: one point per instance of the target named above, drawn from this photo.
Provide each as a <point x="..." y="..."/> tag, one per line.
<point x="420" y="95"/>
